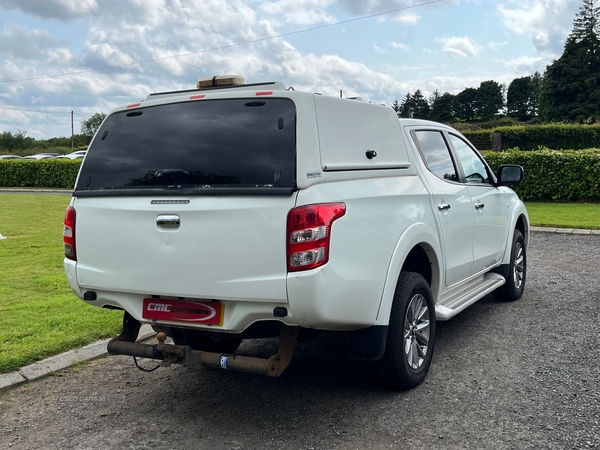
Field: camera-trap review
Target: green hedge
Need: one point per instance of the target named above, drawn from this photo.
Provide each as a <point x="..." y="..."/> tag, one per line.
<point x="532" y="137"/>
<point x="46" y="173"/>
<point x="550" y="175"/>
<point x="481" y="139"/>
<point x="565" y="176"/>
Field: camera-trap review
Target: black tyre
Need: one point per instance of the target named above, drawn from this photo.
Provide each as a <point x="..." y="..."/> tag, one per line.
<point x="199" y="341"/>
<point x="411" y="334"/>
<point x="516" y="272"/>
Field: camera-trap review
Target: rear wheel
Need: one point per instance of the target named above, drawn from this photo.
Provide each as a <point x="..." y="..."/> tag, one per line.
<point x="517" y="271"/>
<point x="200" y="341"/>
<point x="411" y="334"/>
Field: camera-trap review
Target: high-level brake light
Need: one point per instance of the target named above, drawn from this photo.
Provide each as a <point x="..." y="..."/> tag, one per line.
<point x="309" y="234"/>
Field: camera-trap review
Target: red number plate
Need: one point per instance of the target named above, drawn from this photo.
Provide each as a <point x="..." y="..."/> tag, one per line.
<point x="181" y="311"/>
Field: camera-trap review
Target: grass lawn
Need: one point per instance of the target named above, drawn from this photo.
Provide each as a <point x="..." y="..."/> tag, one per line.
<point x="564" y="215"/>
<point x="39" y="315"/>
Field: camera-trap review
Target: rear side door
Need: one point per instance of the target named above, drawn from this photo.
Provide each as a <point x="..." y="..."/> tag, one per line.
<point x="451" y="201"/>
<point x="489" y="204"/>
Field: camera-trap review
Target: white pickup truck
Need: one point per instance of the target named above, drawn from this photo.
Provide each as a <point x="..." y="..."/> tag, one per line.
<point x="244" y="211"/>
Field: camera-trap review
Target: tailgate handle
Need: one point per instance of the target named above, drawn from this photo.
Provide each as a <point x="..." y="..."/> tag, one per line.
<point x="168" y="221"/>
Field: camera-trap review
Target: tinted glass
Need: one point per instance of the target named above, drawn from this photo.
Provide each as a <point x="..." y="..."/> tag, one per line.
<point x="436" y="154"/>
<point x="200" y="144"/>
<point x="472" y="166"/>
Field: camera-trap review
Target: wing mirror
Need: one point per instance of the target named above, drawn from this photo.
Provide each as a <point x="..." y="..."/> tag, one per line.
<point x="509" y="175"/>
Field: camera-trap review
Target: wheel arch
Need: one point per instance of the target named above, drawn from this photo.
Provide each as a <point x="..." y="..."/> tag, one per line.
<point x="417" y="250"/>
<point x="522" y="224"/>
<point x="519" y="221"/>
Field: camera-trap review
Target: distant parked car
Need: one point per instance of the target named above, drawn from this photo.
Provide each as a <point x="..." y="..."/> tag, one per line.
<point x="79" y="154"/>
<point x="41" y="156"/>
<point x="10" y="157"/>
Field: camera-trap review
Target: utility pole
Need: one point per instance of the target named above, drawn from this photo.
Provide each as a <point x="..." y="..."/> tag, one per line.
<point x="72" y="135"/>
<point x="340" y="93"/>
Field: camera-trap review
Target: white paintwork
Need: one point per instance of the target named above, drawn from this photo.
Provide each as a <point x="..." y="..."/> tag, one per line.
<point x="491" y="225"/>
<point x="456" y="225"/>
<point x="234" y="248"/>
<point x="230" y="248"/>
<point x="345" y="139"/>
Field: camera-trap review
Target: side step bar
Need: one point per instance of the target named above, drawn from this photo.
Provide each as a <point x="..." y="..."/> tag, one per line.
<point x="459" y="298"/>
<point x="125" y="344"/>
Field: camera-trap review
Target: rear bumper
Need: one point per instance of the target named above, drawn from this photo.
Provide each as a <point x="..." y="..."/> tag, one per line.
<point x="319" y="299"/>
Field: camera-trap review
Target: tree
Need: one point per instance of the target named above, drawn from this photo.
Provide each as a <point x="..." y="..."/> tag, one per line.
<point x="396" y="107"/>
<point x="414" y="106"/>
<point x="536" y="83"/>
<point x="434" y="96"/>
<point x="406" y="107"/>
<point x="518" y="98"/>
<point x="465" y="104"/>
<point x="15" y="140"/>
<point x="571" y="84"/>
<point x="488" y="100"/>
<point x="420" y="105"/>
<point x="522" y="98"/>
<point x="91" y="125"/>
<point x="443" y="108"/>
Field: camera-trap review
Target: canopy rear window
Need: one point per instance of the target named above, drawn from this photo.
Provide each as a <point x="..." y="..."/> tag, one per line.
<point x="197" y="147"/>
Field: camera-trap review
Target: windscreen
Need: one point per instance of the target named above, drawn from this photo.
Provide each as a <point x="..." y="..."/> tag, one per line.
<point x="195" y="146"/>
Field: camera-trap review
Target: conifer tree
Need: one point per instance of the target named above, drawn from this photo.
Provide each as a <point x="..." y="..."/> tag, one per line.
<point x="571" y="84"/>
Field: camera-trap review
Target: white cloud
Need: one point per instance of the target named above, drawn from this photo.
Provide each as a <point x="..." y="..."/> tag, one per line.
<point x="379" y="49"/>
<point x="527" y="65"/>
<point x="23" y="43"/>
<point x="400" y="46"/>
<point x="459" y="47"/>
<point x="408" y="18"/>
<point x="454" y="84"/>
<point x="127" y="31"/>
<point x="497" y="45"/>
<point x="207" y="32"/>
<point x="302" y="12"/>
<point x="545" y="22"/>
<point x="55" y="9"/>
<point x="403" y="9"/>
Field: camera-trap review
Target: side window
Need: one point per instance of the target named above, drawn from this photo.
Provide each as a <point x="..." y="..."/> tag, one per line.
<point x="435" y="154"/>
<point x="472" y="166"/>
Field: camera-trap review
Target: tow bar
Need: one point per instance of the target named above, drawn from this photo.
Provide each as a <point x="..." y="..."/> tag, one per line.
<point x="124" y="344"/>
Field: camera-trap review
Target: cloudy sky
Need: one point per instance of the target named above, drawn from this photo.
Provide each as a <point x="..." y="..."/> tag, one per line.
<point x="58" y="56"/>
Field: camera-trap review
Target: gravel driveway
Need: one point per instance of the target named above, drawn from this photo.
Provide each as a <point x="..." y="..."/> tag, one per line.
<point x="504" y="376"/>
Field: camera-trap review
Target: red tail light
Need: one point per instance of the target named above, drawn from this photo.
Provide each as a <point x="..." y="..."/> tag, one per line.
<point x="69" y="234"/>
<point x="308" y="234"/>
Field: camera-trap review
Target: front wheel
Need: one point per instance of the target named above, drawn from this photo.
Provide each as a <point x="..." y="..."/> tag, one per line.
<point x="517" y="271"/>
<point x="411" y="334"/>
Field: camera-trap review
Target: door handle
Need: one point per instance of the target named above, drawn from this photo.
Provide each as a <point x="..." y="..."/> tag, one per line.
<point x="168" y="221"/>
<point x="479" y="206"/>
<point x="443" y="206"/>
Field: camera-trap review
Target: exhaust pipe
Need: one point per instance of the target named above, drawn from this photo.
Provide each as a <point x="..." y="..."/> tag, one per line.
<point x="116" y="347"/>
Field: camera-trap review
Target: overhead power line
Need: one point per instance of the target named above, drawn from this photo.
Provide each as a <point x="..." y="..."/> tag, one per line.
<point x="223" y="47"/>
<point x="35" y="110"/>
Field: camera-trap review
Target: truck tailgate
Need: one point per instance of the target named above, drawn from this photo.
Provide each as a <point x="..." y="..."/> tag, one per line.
<point x="224" y="248"/>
